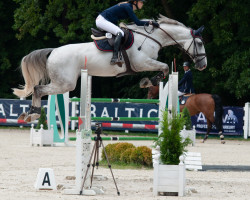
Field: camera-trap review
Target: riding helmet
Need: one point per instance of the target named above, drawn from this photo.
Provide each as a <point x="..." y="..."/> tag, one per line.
<point x="186" y="64"/>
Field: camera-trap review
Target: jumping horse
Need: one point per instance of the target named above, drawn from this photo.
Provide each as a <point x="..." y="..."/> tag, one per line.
<point x="55" y="71"/>
<point x="208" y="104"/>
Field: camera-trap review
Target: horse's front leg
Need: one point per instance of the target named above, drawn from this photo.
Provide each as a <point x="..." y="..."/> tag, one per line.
<point x="152" y="65"/>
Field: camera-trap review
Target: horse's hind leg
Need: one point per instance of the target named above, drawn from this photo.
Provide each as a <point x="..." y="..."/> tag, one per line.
<point x="209" y="126"/>
<point x="42" y="90"/>
<point x="35" y="109"/>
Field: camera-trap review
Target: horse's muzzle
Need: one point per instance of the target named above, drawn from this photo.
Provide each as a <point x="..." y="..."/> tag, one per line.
<point x="202" y="68"/>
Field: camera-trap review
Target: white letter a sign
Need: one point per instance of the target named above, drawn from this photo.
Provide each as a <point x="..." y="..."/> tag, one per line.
<point x="45" y="179"/>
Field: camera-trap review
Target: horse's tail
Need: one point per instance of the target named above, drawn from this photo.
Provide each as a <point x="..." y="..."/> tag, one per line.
<point x="218" y="112"/>
<point x="33" y="67"/>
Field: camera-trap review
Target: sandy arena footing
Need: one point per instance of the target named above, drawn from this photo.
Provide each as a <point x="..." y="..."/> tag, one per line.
<point x="19" y="164"/>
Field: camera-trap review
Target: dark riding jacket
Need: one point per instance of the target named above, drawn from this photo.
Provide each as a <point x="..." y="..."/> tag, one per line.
<point x="122" y="11"/>
<point x="185" y="85"/>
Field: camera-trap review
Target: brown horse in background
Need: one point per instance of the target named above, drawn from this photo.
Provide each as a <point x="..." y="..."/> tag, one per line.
<point x="208" y="104"/>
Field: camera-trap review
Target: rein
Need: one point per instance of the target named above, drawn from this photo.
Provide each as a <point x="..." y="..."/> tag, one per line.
<point x="147" y="37"/>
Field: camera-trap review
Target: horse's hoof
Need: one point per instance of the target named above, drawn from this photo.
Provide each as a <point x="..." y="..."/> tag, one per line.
<point x="22" y="116"/>
<point x="31" y="117"/>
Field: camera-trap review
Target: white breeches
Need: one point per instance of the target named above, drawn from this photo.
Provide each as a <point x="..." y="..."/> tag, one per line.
<point x="105" y="25"/>
<point x="180" y="93"/>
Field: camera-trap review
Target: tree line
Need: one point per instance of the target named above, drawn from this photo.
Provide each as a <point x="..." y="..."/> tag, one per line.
<point x="27" y="25"/>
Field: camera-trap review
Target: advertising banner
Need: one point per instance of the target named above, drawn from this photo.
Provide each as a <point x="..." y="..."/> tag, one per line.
<point x="232" y="118"/>
<point x="232" y="122"/>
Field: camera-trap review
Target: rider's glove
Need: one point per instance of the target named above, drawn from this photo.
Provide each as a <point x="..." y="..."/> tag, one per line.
<point x="154" y="24"/>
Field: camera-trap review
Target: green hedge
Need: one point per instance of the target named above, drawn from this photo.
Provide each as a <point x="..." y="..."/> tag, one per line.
<point x="127" y="153"/>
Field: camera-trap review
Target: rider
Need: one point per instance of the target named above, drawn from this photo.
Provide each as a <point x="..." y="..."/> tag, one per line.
<point x="185" y="85"/>
<point x="108" y="20"/>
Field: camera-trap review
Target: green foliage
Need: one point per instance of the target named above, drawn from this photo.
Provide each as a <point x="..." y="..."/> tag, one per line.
<point x="42" y="120"/>
<point x="141" y="155"/>
<point x="110" y="152"/>
<point x="170" y="141"/>
<point x="119" y="149"/>
<point x="227" y="44"/>
<point x="66" y="20"/>
<point x="187" y="118"/>
<point x="125" y="156"/>
<point x="129" y="154"/>
<point x="236" y="69"/>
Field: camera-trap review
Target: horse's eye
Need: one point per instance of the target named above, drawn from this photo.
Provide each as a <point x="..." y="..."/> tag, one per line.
<point x="200" y="43"/>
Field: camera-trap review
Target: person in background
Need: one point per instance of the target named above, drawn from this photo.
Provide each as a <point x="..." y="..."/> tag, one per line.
<point x="185" y="85"/>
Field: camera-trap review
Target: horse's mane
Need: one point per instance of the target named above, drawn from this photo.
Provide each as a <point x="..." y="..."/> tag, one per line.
<point x="161" y="20"/>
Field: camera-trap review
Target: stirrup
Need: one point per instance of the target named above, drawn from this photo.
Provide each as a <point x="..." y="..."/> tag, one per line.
<point x="113" y="61"/>
<point x="116" y="61"/>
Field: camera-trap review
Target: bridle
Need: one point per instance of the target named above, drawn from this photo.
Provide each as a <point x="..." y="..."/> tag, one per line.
<point x="195" y="51"/>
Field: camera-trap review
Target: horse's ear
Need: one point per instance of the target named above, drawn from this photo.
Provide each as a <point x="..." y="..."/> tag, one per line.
<point x="199" y="31"/>
<point x="161" y="16"/>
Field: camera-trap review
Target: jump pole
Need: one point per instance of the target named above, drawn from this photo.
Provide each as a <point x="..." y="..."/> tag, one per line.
<point x="114" y="138"/>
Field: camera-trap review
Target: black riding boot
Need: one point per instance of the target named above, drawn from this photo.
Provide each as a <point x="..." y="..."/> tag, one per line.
<point x="117" y="43"/>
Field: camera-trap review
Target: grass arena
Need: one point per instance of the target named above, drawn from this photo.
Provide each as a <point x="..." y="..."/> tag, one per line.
<point x="19" y="164"/>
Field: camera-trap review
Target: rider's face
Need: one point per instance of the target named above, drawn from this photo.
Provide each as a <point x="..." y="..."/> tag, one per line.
<point x="140" y="4"/>
<point x="186" y="68"/>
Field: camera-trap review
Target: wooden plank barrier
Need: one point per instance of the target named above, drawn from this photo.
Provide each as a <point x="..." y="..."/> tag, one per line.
<point x="193" y="161"/>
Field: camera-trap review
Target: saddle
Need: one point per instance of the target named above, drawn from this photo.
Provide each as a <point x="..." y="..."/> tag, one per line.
<point x="183" y="99"/>
<point x="104" y="43"/>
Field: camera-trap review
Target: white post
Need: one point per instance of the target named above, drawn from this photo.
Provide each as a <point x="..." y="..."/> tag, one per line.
<point x="83" y="140"/>
<point x="73" y="114"/>
<point x="84" y="100"/>
<point x="168" y="92"/>
<point x="163" y="95"/>
<point x="246" y="126"/>
<point x="173" y="93"/>
<point x="182" y="180"/>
